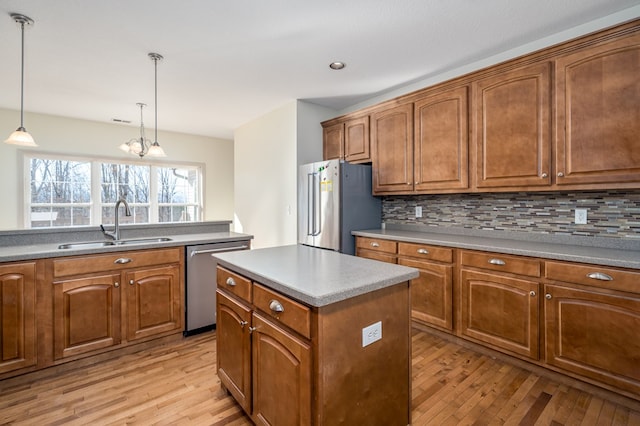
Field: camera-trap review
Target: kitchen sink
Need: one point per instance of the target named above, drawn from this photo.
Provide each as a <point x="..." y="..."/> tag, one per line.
<point x="99" y="244"/>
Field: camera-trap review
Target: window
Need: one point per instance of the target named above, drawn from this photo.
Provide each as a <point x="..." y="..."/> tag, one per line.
<point x="79" y="191"/>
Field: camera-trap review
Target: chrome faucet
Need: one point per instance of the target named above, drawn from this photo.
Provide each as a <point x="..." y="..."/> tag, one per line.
<point x="115" y="235"/>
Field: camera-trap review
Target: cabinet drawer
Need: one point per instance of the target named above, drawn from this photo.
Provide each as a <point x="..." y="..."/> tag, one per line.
<point x="503" y="263"/>
<point x="234" y="283"/>
<point x="594" y="275"/>
<point x="440" y="254"/>
<point x="290" y="313"/>
<point x="376" y="244"/>
<point x="376" y="255"/>
<point x="78" y="265"/>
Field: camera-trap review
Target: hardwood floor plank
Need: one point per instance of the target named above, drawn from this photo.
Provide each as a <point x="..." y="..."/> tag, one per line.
<point x="176" y="384"/>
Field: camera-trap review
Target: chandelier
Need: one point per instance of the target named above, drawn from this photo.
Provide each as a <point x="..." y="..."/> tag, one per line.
<point x="142" y="146"/>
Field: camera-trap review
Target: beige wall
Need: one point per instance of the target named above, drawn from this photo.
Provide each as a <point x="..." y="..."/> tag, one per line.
<point x="62" y="135"/>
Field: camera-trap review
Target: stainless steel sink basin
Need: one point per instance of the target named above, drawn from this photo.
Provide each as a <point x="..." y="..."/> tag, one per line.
<point x="142" y="240"/>
<point x="99" y="244"/>
<point x="86" y="245"/>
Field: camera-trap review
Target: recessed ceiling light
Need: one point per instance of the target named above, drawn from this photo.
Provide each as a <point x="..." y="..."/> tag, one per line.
<point x="337" y="65"/>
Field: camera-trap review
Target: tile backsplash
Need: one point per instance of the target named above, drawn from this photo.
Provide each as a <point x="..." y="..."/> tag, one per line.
<point x="610" y="214"/>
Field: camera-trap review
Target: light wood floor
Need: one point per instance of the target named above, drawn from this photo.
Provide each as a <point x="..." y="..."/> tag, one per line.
<point x="176" y="384"/>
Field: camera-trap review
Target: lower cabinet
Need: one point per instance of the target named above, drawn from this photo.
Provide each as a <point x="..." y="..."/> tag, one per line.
<point x="126" y="297"/>
<point x="17" y="316"/>
<point x="289" y="364"/>
<point x="499" y="304"/>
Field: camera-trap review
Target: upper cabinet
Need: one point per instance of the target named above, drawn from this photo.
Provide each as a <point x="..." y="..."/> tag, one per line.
<point x="598" y="114"/>
<point x="392" y="149"/>
<point x="513" y="128"/>
<point x="347" y="140"/>
<point x="441" y="122"/>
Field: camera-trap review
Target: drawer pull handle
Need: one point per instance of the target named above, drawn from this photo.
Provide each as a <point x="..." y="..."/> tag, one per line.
<point x="276" y="306"/>
<point x="122" y="260"/>
<point x="497" y="262"/>
<point x="599" y="276"/>
<point x="231" y="282"/>
<point x="374" y="244"/>
<point x="532" y="293"/>
<point x="423" y="251"/>
<point x="548" y="296"/>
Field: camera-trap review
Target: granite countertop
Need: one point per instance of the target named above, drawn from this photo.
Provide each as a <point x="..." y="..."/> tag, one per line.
<point x="576" y="250"/>
<point x="11" y="253"/>
<point x="314" y="276"/>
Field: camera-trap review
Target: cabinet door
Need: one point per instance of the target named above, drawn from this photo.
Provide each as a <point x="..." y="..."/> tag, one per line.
<point x="86" y="314"/>
<point x="594" y="333"/>
<point x="513" y="128"/>
<point x="281" y="375"/>
<point x="500" y="310"/>
<point x="441" y="141"/>
<point x="356" y="140"/>
<point x="17" y="316"/>
<point x="154" y="302"/>
<point x="333" y="142"/>
<point x="431" y="293"/>
<point x="234" y="348"/>
<point x="392" y="149"/>
<point x="598" y="114"/>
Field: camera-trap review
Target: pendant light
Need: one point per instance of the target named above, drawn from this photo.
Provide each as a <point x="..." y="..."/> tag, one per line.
<point x="21" y="136"/>
<point x="142" y="146"/>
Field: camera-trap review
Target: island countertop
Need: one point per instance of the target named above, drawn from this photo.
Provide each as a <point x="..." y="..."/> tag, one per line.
<point x="314" y="276"/>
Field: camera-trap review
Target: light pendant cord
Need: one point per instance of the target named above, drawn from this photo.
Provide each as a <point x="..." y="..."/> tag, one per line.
<point x="22" y="80"/>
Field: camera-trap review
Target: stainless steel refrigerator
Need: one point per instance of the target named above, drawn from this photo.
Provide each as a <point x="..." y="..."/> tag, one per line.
<point x="334" y="198"/>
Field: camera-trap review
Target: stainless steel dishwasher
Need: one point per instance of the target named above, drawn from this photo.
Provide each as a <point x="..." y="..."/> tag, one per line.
<point x="200" y="288"/>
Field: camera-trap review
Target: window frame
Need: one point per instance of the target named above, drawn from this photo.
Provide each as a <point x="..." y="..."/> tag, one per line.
<point x="96" y="201"/>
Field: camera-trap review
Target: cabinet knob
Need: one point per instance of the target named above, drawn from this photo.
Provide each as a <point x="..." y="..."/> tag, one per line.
<point x="231" y="282"/>
<point x="122" y="260"/>
<point x="532" y="293"/>
<point x="276" y="306"/>
<point x="560" y="174"/>
<point x="599" y="276"/>
<point x="243" y="323"/>
<point x="374" y="244"/>
<point x="497" y="262"/>
<point x="252" y="329"/>
<point x="116" y="284"/>
<point x="130" y="282"/>
<point x="423" y="251"/>
<point x="548" y="296"/>
<point x="544" y="176"/>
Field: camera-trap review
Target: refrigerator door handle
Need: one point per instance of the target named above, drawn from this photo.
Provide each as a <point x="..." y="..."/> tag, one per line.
<point x="317" y="218"/>
<point x="311" y="199"/>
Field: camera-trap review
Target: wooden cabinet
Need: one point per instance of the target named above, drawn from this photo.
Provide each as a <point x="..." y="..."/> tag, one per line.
<point x="376" y="249"/>
<point x="592" y="330"/>
<point x="499" y="301"/>
<point x="347" y="140"/>
<point x="432" y="291"/>
<point x="392" y="149"/>
<point x="108" y="300"/>
<point x="513" y="128"/>
<point x="290" y="364"/>
<point x="441" y="141"/>
<point x="598" y="114"/>
<point x="17" y="316"/>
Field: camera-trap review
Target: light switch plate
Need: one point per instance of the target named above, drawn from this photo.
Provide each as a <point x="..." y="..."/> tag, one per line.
<point x="581" y="217"/>
<point x="371" y="333"/>
<point x="418" y="211"/>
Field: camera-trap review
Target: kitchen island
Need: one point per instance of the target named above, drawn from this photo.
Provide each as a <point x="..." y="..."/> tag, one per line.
<point x="310" y="336"/>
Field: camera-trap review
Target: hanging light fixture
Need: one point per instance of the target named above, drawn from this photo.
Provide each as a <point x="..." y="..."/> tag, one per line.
<point x="142" y="146"/>
<point x="21" y="136"/>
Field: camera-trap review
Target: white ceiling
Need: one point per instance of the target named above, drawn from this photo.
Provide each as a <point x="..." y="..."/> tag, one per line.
<point x="228" y="62"/>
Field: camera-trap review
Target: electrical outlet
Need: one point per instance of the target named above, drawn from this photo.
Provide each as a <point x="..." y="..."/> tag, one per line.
<point x="371" y="333"/>
<point x="581" y="217"/>
<point x="418" y="211"/>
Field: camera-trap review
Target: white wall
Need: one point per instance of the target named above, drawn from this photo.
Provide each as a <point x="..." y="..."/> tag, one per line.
<point x="62" y="135"/>
<point x="267" y="153"/>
